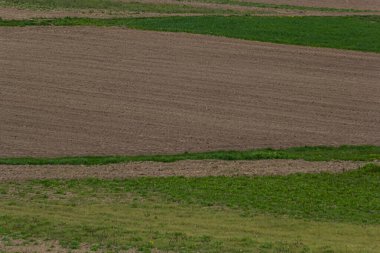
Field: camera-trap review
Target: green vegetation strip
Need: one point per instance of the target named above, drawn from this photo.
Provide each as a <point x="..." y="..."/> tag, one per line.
<point x="343" y="153"/>
<point x="295" y="213"/>
<point x="350" y="32"/>
<point x="275" y="6"/>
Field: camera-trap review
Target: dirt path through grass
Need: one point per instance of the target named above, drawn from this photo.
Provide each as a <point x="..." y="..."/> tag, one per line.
<point x="181" y="168"/>
<point x="8" y="13"/>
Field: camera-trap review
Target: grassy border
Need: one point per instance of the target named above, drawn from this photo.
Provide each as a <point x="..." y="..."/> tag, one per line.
<point x="279" y="6"/>
<point x="318" y="153"/>
<point x="357" y="33"/>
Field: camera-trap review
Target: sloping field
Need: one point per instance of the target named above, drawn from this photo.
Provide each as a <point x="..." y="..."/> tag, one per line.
<point x="344" y="4"/>
<point x="82" y="90"/>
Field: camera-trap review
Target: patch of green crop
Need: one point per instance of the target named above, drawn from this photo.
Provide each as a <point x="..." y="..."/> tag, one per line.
<point x="321" y="153"/>
<point x="275" y="6"/>
<point x="348" y="197"/>
<point x="360" y="33"/>
<point x="295" y="213"/>
<point x="350" y="32"/>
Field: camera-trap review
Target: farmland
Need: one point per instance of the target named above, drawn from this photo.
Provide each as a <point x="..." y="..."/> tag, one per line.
<point x="189" y="126"/>
<point x="187" y="214"/>
<point x="166" y="92"/>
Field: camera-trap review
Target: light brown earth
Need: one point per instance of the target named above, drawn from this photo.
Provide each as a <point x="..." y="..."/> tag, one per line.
<point x="339" y="4"/>
<point x="33" y="246"/>
<point x="185" y="168"/>
<point x="22" y="246"/>
<point x="95" y="91"/>
<point x="20" y="14"/>
<point x="17" y="13"/>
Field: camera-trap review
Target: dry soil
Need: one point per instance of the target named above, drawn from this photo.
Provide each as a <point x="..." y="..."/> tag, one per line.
<point x="96" y="91"/>
<point x="181" y="168"/>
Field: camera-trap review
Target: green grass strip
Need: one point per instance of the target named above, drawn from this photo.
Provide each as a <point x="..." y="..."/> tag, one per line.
<point x="352" y="197"/>
<point x="349" y="32"/>
<point x="349" y="197"/>
<point x="277" y="6"/>
<point x="344" y="153"/>
<point x="295" y="213"/>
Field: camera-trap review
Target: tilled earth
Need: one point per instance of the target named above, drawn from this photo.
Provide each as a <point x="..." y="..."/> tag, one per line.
<point x="186" y="168"/>
<point x="10" y="13"/>
<point x="95" y="91"/>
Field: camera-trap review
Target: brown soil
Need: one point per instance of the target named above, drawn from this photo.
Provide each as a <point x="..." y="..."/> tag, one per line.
<point x="33" y="246"/>
<point x="342" y="4"/>
<point x="22" y="246"/>
<point x="88" y="90"/>
<point x="185" y="168"/>
<point x="20" y="14"/>
<point x="16" y="13"/>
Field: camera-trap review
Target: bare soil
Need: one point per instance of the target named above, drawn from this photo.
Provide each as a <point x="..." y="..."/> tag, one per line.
<point x="98" y="91"/>
<point x="19" y="14"/>
<point x="8" y="13"/>
<point x="23" y="246"/>
<point x="32" y="246"/>
<point x="185" y="168"/>
<point x="339" y="4"/>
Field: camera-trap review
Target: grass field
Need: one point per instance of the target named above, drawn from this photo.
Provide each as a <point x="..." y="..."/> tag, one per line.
<point x="343" y="153"/>
<point x="351" y="32"/>
<point x="296" y="213"/>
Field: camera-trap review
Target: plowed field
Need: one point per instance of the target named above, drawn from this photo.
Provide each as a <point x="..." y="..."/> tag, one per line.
<point x="94" y="91"/>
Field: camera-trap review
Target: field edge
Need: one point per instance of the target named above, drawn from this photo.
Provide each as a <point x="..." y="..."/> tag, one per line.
<point x="307" y="153"/>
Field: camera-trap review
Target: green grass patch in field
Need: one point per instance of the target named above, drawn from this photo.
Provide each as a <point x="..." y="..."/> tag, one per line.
<point x="346" y="197"/>
<point x="295" y="213"/>
<point x="343" y="153"/>
<point x="348" y="32"/>
<point x="275" y="6"/>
